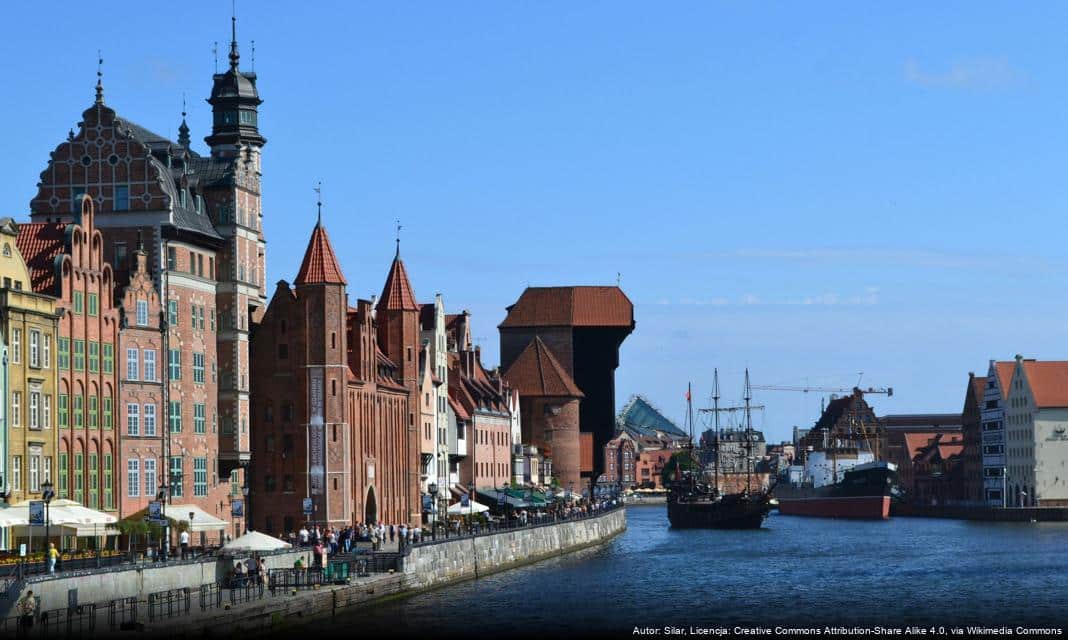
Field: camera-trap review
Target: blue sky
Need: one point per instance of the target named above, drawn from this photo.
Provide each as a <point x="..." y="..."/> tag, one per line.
<point x="811" y="190"/>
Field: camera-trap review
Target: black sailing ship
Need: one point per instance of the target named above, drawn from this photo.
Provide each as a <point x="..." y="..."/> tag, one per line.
<point x="694" y="504"/>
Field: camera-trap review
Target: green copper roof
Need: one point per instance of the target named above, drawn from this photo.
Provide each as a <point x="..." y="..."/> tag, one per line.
<point x="640" y="417"/>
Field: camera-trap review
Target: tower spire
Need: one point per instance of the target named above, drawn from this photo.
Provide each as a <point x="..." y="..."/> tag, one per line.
<point x="399" y="227"/>
<point x="183" y="129"/>
<point x="234" y="56"/>
<point x="99" y="77"/>
<point x="319" y="202"/>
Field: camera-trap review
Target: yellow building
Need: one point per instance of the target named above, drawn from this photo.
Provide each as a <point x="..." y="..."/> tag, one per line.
<point x="28" y="324"/>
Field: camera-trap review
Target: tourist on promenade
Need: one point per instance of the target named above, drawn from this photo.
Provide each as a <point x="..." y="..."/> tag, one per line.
<point x="392" y="532"/>
<point x="53" y="555"/>
<point x="27" y="609"/>
<point x="317" y="555"/>
<point x="239" y="575"/>
<point x="303" y="536"/>
<point x="263" y="571"/>
<point x="183" y="542"/>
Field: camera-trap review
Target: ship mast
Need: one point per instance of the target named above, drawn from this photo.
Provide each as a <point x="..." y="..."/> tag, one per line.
<point x="689" y="418"/>
<point x="715" y="414"/>
<point x="748" y="438"/>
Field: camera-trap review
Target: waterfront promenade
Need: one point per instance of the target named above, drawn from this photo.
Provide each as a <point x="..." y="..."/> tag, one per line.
<point x="291" y="596"/>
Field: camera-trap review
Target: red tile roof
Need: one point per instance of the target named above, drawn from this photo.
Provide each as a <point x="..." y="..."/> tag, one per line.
<point x="571" y="306"/>
<point x="40" y="243"/>
<point x="978" y="388"/>
<point x="458" y="408"/>
<point x="1048" y="381"/>
<point x="537" y="373"/>
<point x="397" y="294"/>
<point x="320" y="264"/>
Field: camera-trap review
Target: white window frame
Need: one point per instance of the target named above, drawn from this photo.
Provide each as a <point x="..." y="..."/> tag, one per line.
<point x="16" y="408"/>
<point x="47" y="475"/>
<point x="149" y="420"/>
<point x="46" y="351"/>
<point x="149" y="468"/>
<point x="16" y="345"/>
<point x="132" y="361"/>
<point x="142" y="313"/>
<point x="46" y="411"/>
<point x="35" y="348"/>
<point x="149" y="368"/>
<point x="35" y="409"/>
<point x="16" y="473"/>
<point x="35" y="474"/>
<point x="133" y="478"/>
<point x="133" y="419"/>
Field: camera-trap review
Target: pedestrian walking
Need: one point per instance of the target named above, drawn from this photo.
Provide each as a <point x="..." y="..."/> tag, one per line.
<point x="27" y="610"/>
<point x="53" y="555"/>
<point x="183" y="542"/>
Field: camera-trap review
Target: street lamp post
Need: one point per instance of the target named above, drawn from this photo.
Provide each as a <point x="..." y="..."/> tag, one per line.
<point x="244" y="492"/>
<point x="432" y="489"/>
<point x="47" y="494"/>
<point x="191" y="515"/>
<point x="470" y="504"/>
<point x="162" y="498"/>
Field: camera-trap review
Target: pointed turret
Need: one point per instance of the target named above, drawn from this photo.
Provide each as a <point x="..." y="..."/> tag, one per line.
<point x="397" y="294"/>
<point x="320" y="265"/>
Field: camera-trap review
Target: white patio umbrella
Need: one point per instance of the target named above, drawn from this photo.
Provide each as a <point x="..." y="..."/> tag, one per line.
<point x="459" y="509"/>
<point x="255" y="541"/>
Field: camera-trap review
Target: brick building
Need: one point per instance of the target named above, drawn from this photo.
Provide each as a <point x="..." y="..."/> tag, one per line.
<point x="140" y="400"/>
<point x="972" y="437"/>
<point x="201" y="218"/>
<point x="583" y="327"/>
<point x="549" y="404"/>
<point x="331" y="420"/>
<point x="66" y="261"/>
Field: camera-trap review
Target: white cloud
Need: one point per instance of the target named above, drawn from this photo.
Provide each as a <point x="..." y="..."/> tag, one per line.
<point x="967" y="73"/>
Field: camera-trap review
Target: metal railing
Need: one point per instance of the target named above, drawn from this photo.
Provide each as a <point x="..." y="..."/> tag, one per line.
<point x="167" y="604"/>
<point x="533" y="520"/>
<point x="246" y="592"/>
<point x="210" y="596"/>
<point x="122" y="614"/>
<point x="71" y="622"/>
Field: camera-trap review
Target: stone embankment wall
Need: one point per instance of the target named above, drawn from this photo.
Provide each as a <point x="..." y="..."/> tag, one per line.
<point x="439" y="563"/>
<point x="141" y="580"/>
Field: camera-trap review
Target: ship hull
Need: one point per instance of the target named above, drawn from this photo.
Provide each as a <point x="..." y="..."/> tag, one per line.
<point x="722" y="514"/>
<point x="856" y="507"/>
<point x="864" y="494"/>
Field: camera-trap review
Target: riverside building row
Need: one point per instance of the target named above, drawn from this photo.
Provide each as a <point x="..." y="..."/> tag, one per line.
<point x="146" y="355"/>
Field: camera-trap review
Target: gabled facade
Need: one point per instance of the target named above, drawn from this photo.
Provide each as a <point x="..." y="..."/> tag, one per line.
<point x="142" y="427"/>
<point x="992" y="415"/>
<point x="972" y="436"/>
<point x="28" y="324"/>
<point x="67" y="261"/>
<point x="434" y="338"/>
<point x="1036" y="434"/>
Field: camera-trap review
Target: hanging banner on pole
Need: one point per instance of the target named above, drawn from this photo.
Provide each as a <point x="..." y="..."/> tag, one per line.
<point x="316" y="433"/>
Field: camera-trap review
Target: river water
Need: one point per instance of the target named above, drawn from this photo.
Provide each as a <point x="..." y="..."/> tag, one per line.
<point x="795" y="572"/>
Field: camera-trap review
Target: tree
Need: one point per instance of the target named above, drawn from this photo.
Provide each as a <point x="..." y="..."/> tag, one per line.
<point x="681" y="460"/>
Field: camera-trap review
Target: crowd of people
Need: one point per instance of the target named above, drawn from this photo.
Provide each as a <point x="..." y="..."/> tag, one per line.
<point x="344" y="540"/>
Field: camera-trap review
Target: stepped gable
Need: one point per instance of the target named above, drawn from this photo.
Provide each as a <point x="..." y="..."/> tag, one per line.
<point x="320" y="265"/>
<point x="582" y="306"/>
<point x="537" y="373"/>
